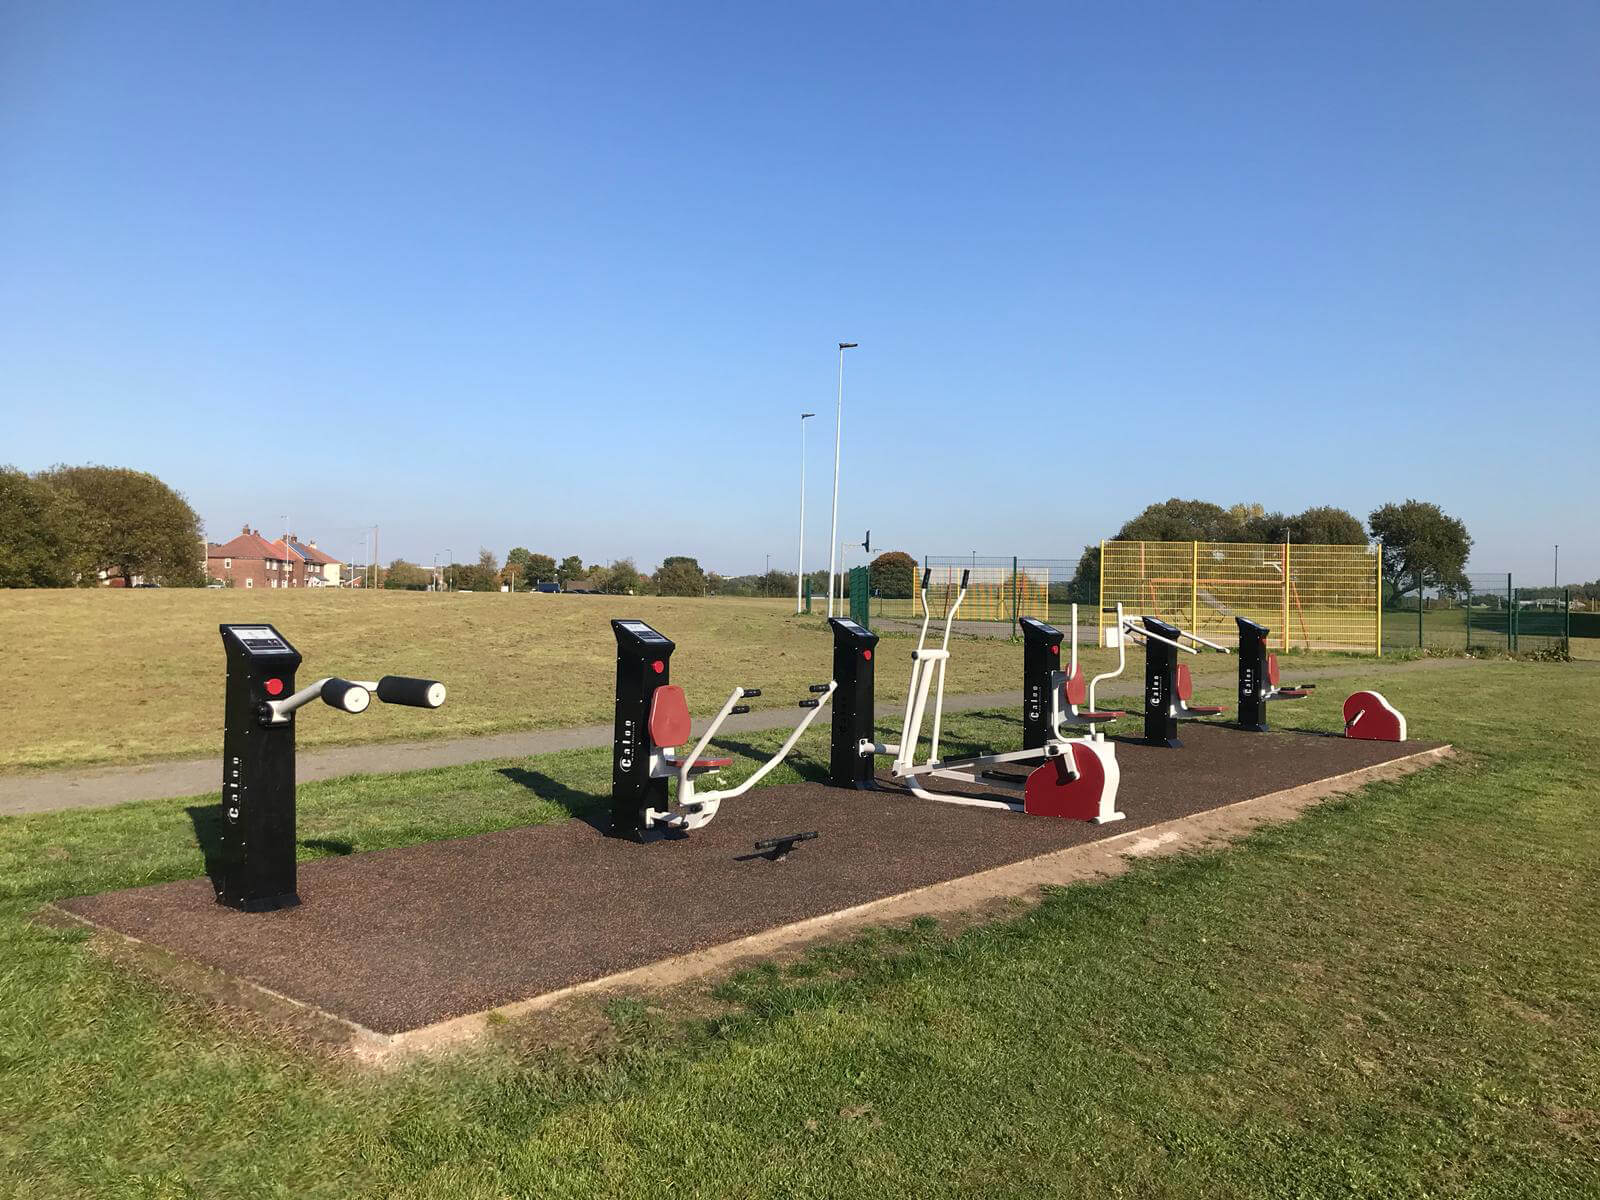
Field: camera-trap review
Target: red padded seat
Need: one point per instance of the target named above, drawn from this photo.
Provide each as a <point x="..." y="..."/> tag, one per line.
<point x="700" y="764"/>
<point x="1272" y="669"/>
<point x="1101" y="716"/>
<point x="1186" y="689"/>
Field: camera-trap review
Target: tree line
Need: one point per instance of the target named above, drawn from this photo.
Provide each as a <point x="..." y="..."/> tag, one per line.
<point x="1422" y="544"/>
<point x="77" y="526"/>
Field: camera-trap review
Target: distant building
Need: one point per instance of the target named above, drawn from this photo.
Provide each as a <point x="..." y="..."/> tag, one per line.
<point x="251" y="561"/>
<point x="581" y="585"/>
<point x="321" y="568"/>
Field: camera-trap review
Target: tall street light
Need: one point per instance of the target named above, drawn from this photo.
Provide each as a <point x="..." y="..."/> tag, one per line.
<point x="800" y="555"/>
<point x="838" y="425"/>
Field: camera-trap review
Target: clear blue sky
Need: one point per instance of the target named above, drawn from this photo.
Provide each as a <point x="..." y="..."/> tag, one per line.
<point x="564" y="276"/>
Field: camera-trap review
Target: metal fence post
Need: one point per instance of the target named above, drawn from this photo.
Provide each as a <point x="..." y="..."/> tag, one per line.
<point x="1511" y="616"/>
<point x="1377" y="624"/>
<point x="1014" y="599"/>
<point x="1194" y="586"/>
<point x="1566" y="622"/>
<point x="1467" y="612"/>
<point x="1419" y="609"/>
<point x="1286" y="598"/>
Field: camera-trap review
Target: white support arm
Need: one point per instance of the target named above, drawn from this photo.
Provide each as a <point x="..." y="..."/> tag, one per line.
<point x="716" y="723"/>
<point x="783" y="752"/>
<point x="337" y="693"/>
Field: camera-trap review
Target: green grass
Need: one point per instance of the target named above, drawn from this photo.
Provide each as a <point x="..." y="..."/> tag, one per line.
<point x="1397" y="995"/>
<point x="116" y="676"/>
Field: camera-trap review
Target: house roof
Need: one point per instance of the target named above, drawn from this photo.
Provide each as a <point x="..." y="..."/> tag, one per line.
<point x="250" y="544"/>
<point x="311" y="553"/>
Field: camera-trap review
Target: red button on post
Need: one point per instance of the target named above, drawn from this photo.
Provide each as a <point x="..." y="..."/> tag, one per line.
<point x="867" y="654"/>
<point x="658" y="666"/>
<point x="274" y="687"/>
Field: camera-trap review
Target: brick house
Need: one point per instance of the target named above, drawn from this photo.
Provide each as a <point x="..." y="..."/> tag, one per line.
<point x="321" y="568"/>
<point x="251" y="561"/>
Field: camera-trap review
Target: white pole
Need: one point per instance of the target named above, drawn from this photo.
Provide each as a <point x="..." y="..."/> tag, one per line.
<point x="800" y="557"/>
<point x="838" y="426"/>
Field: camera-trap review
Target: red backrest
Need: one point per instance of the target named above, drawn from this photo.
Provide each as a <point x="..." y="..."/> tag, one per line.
<point x="1077" y="690"/>
<point x="1185" y="684"/>
<point x="1272" y="669"/>
<point x="669" y="716"/>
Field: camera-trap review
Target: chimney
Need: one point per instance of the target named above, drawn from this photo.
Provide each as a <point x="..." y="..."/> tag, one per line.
<point x="246" y="529"/>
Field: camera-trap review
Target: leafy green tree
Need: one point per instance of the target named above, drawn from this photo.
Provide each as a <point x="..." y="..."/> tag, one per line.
<point x="571" y="568"/>
<point x="1327" y="526"/>
<point x="406" y="576"/>
<point x="1420" y="538"/>
<point x="541" y="568"/>
<point x="1186" y="520"/>
<point x="39" y="541"/>
<point x="680" y="575"/>
<point x="894" y="574"/>
<point x="623" y="578"/>
<point x="487" y="562"/>
<point x="135" y="523"/>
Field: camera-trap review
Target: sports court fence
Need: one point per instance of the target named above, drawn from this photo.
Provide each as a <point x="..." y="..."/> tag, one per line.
<point x="1486" y="611"/>
<point x="1311" y="597"/>
<point x="1000" y="588"/>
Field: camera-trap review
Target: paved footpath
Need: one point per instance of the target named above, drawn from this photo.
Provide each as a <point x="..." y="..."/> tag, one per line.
<point x="96" y="787"/>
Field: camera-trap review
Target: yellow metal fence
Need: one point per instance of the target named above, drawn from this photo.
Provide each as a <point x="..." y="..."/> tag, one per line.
<point x="1311" y="597"/>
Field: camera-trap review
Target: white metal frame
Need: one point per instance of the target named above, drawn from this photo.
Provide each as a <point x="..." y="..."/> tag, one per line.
<point x="1133" y="627"/>
<point x="928" y="668"/>
<point x="696" y="810"/>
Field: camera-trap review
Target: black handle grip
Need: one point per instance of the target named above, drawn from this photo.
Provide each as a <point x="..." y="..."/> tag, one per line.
<point x="820" y="687"/>
<point x="345" y="696"/>
<point x="809" y="703"/>
<point x="964" y="574"/>
<point x="927" y="574"/>
<point x="740" y="708"/>
<point x="750" y="692"/>
<point x="414" y="693"/>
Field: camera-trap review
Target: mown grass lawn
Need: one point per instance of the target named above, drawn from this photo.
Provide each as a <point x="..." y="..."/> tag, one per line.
<point x="1397" y="995"/>
<point x="114" y="676"/>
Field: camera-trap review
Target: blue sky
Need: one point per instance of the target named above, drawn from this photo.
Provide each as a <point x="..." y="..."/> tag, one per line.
<point x="565" y="276"/>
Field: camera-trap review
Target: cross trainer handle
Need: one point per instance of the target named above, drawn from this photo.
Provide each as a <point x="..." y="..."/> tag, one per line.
<point x="750" y="691"/>
<point x="818" y="687"/>
<point x="740" y="708"/>
<point x="414" y="693"/>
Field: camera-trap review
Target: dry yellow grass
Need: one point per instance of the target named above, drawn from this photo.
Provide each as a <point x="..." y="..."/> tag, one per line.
<point x="127" y="676"/>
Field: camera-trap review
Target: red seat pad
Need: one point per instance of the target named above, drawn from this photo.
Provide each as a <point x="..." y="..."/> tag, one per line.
<point x="669" y="716"/>
<point x="1100" y="716"/>
<point x="1292" y="693"/>
<point x="1206" y="710"/>
<point x="1272" y="669"/>
<point x="1185" y="682"/>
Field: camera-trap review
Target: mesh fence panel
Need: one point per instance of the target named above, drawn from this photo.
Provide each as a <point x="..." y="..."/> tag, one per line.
<point x="1311" y="597"/>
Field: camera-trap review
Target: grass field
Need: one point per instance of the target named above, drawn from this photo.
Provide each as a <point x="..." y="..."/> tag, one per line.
<point x="1397" y="995"/>
<point x="129" y="676"/>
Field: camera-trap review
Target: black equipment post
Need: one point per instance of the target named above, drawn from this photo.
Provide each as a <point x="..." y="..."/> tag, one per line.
<point x="1041" y="659"/>
<point x="1253" y="681"/>
<point x="853" y="710"/>
<point x="644" y="663"/>
<point x="255" y="865"/>
<point x="1160" y="684"/>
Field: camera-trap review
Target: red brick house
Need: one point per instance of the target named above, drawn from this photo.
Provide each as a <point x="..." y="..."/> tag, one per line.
<point x="251" y="561"/>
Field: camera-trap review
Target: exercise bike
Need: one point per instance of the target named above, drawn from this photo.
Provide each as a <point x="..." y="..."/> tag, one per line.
<point x="1077" y="779"/>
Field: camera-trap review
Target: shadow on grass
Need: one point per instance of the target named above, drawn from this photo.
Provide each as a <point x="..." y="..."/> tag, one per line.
<point x="594" y="811"/>
<point x="207" y="822"/>
<point x="332" y="845"/>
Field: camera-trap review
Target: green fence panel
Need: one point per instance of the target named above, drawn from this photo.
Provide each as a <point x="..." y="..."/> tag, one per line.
<point x="861" y="597"/>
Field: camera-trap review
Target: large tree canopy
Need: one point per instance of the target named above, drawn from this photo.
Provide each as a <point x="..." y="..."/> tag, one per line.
<point x="680" y="575"/>
<point x="41" y="544"/>
<point x="894" y="574"/>
<point x="1421" y="543"/>
<point x="135" y="523"/>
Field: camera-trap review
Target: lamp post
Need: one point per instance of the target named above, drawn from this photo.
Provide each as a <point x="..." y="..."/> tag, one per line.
<point x="838" y="426"/>
<point x="449" y="562"/>
<point x="1555" y="573"/>
<point x="800" y="553"/>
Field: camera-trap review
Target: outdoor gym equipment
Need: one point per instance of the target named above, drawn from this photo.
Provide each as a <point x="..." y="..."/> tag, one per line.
<point x="1076" y="779"/>
<point x="1369" y="716"/>
<point x="1168" y="685"/>
<point x="255" y="866"/>
<point x="1258" y="677"/>
<point x="1068" y="698"/>
<point x="652" y="721"/>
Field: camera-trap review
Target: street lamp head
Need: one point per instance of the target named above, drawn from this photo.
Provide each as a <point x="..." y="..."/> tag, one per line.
<point x="803" y="416"/>
<point x="848" y="345"/>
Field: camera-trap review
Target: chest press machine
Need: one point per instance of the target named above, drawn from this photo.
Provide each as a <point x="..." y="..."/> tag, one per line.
<point x="652" y="720"/>
<point x="1074" y="778"/>
<point x="1258" y="677"/>
<point x="1168" y="686"/>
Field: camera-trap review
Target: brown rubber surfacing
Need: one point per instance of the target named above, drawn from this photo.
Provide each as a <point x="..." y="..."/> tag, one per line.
<point x="398" y="939"/>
